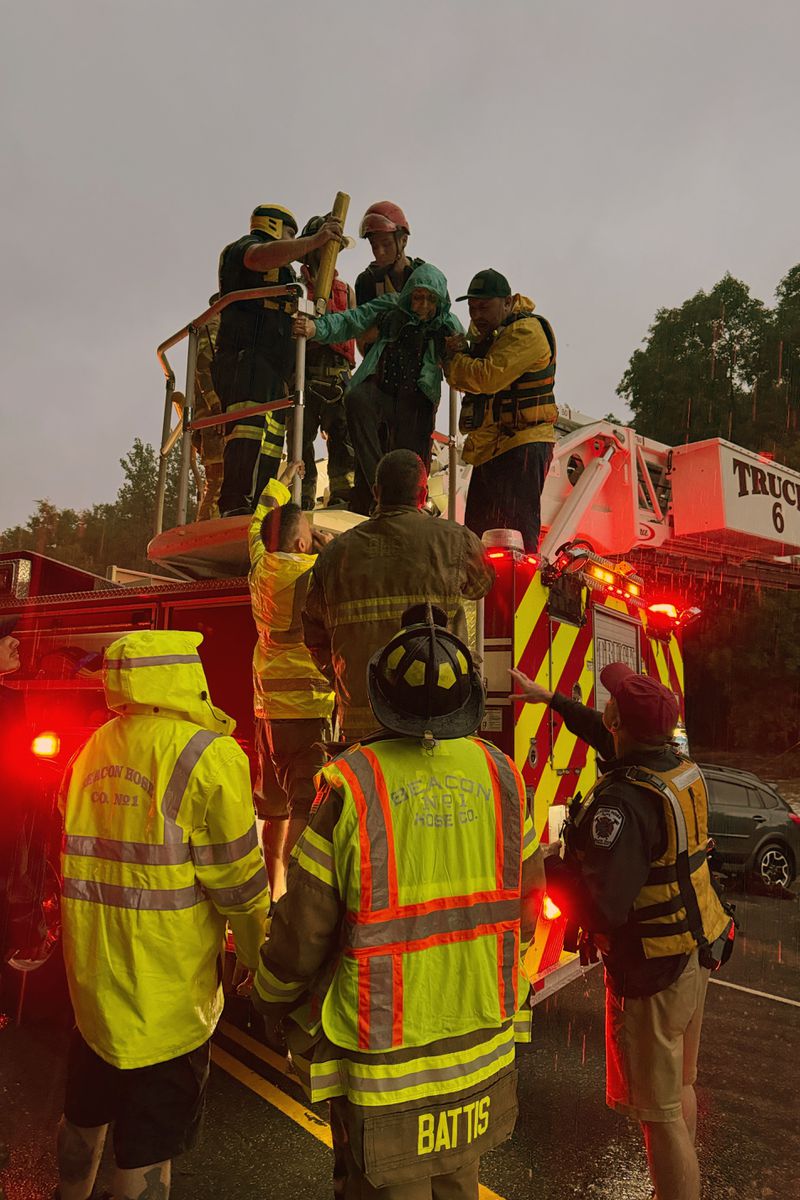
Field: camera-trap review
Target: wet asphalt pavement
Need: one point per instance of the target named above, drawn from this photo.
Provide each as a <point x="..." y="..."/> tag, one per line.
<point x="567" y="1144"/>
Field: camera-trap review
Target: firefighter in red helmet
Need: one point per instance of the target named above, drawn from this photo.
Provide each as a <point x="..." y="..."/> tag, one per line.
<point x="386" y="228"/>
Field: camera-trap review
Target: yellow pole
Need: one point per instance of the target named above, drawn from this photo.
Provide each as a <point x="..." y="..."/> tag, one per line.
<point x="323" y="281"/>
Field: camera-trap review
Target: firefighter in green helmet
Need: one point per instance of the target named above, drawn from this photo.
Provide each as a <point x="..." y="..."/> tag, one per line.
<point x="421" y="838"/>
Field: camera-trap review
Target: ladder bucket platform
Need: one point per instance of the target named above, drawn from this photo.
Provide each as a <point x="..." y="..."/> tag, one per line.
<point x="218" y="549"/>
<point x="736" y="498"/>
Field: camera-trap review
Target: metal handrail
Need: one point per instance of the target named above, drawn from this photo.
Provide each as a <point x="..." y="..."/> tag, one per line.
<point x="185" y="424"/>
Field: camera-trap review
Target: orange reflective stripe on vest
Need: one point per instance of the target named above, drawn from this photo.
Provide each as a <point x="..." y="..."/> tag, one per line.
<point x="382" y="931"/>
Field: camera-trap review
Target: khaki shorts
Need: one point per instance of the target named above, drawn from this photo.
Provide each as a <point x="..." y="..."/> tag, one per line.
<point x="652" y="1044"/>
<point x="290" y="754"/>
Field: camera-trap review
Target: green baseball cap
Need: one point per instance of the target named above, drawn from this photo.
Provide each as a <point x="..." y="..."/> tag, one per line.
<point x="487" y="284"/>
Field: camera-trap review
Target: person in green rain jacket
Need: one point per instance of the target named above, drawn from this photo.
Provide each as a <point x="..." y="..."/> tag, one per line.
<point x="393" y="396"/>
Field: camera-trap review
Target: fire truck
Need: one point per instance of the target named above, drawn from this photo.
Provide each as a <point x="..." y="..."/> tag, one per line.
<point x="611" y="496"/>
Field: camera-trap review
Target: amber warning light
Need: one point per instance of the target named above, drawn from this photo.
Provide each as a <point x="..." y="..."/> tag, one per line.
<point x="46" y="745"/>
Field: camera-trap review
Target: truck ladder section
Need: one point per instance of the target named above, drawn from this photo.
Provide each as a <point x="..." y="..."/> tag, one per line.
<point x="620" y="492"/>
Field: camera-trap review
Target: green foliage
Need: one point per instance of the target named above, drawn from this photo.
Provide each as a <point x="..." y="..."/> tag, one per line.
<point x="743" y="674"/>
<point x="104" y="535"/>
<point x="723" y="364"/>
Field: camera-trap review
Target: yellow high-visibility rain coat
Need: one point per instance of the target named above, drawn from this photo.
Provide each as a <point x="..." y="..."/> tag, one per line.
<point x="160" y="849"/>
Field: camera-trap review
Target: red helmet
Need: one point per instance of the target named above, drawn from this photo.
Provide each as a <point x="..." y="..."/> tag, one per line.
<point x="383" y="217"/>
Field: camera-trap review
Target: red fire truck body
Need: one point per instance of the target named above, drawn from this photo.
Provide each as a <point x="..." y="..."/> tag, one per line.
<point x="559" y="616"/>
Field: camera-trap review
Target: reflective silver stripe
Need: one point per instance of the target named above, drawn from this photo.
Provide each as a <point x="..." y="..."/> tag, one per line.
<point x="300" y="683"/>
<point x="228" y="896"/>
<point x="530" y="836"/>
<point x="445" y="920"/>
<point x="132" y="852"/>
<point x="294" y="634"/>
<point x="317" y="854"/>
<point x="377" y="833"/>
<point x="397" y="1080"/>
<point x="157" y="660"/>
<point x="175" y="789"/>
<point x="512" y="814"/>
<point x="225" y="852"/>
<point x="142" y="899"/>
<point x="508" y="1001"/>
<point x="381" y="1001"/>
<point x="682" y="833"/>
<point x="385" y="608"/>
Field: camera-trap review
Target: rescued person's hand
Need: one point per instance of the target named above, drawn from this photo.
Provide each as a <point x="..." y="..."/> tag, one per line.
<point x="455" y="344"/>
<point x="303" y="327"/>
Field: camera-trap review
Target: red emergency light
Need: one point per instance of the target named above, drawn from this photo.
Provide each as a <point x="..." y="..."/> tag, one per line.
<point x="550" y="910"/>
<point x="46" y="745"/>
<point x="665" y="610"/>
<point x="605" y="578"/>
<point x="532" y="560"/>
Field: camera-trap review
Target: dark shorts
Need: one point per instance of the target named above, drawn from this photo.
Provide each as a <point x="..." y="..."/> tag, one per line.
<point x="290" y="754"/>
<point x="156" y="1111"/>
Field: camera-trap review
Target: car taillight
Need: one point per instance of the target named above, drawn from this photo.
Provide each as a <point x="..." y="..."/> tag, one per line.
<point x="46" y="745"/>
<point x="795" y="817"/>
<point x="550" y="910"/>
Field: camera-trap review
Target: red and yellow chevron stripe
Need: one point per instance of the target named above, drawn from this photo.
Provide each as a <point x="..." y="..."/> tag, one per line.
<point x="554" y="763"/>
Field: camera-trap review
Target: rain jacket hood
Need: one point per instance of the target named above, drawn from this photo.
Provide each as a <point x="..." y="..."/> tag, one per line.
<point x="430" y="277"/>
<point x="155" y="671"/>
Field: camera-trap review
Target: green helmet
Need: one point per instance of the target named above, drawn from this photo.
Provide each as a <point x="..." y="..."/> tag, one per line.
<point x="312" y="226"/>
<point x="423" y="682"/>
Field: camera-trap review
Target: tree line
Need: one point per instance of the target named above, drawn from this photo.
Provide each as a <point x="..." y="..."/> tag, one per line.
<point x="105" y="535"/>
<point x="724" y="364"/>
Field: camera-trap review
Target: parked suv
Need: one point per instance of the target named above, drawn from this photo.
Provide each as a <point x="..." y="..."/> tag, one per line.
<point x="753" y="827"/>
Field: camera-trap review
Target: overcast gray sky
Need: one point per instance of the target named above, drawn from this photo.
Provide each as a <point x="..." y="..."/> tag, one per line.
<point x="609" y="156"/>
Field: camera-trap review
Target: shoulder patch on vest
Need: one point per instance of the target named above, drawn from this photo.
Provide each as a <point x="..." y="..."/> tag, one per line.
<point x="607" y="825"/>
<point x="687" y="776"/>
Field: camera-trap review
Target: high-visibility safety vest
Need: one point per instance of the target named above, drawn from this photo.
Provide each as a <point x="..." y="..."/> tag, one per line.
<point x="527" y="401"/>
<point x="286" y="683"/>
<point x="677" y="910"/>
<point x="160" y="848"/>
<point x="428" y="851"/>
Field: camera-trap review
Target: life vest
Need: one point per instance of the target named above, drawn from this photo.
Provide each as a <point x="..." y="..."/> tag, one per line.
<point x="382" y="280"/>
<point x="338" y="301"/>
<point x="441" y="920"/>
<point x="677" y="910"/>
<point x="528" y="401"/>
